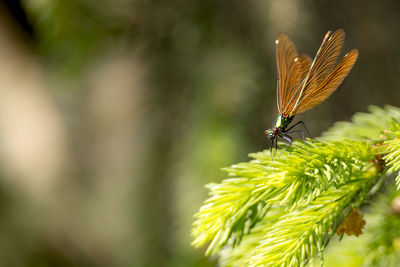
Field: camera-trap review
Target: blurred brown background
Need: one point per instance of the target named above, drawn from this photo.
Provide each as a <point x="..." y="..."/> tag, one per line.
<point x="114" y="114"/>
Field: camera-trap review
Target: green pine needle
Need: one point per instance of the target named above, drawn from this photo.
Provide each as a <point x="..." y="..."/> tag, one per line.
<point x="364" y="126"/>
<point x="283" y="212"/>
<point x="299" y="235"/>
<point x="383" y="237"/>
<point x="391" y="148"/>
<point x="293" y="180"/>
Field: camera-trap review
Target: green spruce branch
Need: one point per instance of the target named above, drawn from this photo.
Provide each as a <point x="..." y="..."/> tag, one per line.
<point x="380" y="244"/>
<point x="391" y="150"/>
<point x="285" y="211"/>
<point x="383" y="236"/>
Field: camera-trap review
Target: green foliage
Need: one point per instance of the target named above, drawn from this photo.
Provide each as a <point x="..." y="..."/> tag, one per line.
<point x="380" y="245"/>
<point x="71" y="32"/>
<point x="364" y="126"/>
<point x="391" y="149"/>
<point x="383" y="236"/>
<point x="284" y="211"/>
<point x="302" y="184"/>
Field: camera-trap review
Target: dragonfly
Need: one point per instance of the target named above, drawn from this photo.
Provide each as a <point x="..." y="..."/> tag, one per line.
<point x="304" y="83"/>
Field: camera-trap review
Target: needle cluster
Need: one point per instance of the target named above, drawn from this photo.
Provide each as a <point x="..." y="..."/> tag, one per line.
<point x="284" y="212"/>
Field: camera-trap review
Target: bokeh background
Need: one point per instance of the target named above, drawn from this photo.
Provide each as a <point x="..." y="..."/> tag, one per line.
<point x="115" y="113"/>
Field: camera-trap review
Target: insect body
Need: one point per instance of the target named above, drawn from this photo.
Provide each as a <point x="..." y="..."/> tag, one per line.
<point x="281" y="123"/>
<point x="304" y="83"/>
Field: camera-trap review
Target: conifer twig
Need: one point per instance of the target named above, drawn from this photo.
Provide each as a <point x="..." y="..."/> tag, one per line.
<point x="283" y="212"/>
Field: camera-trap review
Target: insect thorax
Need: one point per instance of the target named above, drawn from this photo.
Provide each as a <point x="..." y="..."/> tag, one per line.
<point x="282" y="122"/>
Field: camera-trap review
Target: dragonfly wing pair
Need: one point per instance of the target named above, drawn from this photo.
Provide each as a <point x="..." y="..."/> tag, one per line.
<point x="304" y="83"/>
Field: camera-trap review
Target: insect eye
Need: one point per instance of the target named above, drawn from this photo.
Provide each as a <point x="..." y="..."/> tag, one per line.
<point x="269" y="133"/>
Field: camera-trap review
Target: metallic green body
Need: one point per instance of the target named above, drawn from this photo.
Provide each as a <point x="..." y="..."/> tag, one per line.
<point x="282" y="122"/>
<point x="279" y="129"/>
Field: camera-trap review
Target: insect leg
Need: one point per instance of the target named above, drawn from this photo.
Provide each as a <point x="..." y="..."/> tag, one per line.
<point x="287" y="138"/>
<point x="276" y="146"/>
<point x="302" y="136"/>
<point x="297" y="123"/>
<point x="270" y="149"/>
